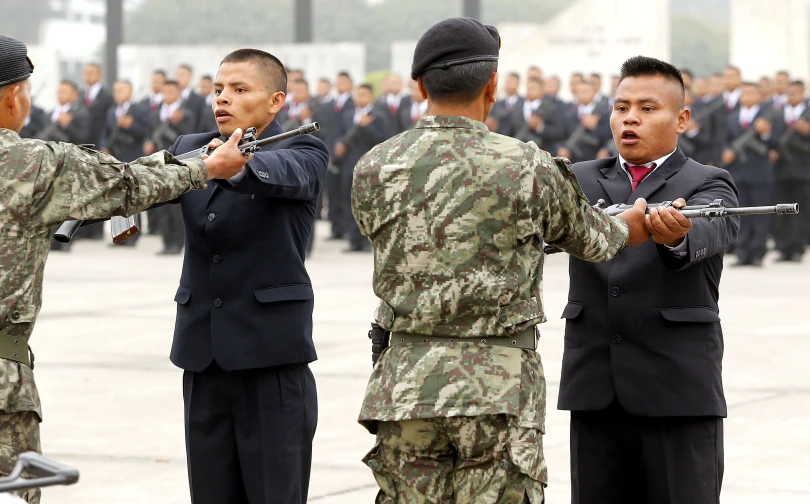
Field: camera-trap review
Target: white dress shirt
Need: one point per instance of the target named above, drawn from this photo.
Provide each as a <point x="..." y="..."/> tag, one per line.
<point x="58" y="110"/>
<point x="92" y="91"/>
<point x="731" y="98"/>
<point x="747" y="115"/>
<point x="393" y="100"/>
<point x="167" y="110"/>
<point x="342" y="98"/>
<point x="511" y="100"/>
<point x="792" y="114"/>
<point x="358" y="113"/>
<point x="121" y="110"/>
<point x="418" y="109"/>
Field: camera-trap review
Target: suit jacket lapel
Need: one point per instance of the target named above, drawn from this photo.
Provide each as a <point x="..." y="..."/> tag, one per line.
<point x="658" y="178"/>
<point x="615" y="183"/>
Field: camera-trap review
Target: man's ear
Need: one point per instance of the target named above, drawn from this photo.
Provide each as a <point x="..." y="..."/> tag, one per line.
<point x="421" y="86"/>
<point x="683" y="118"/>
<point x="276" y="102"/>
<point x="491" y="88"/>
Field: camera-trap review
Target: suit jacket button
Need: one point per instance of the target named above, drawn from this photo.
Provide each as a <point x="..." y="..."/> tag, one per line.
<point x="615" y="292"/>
<point x="217" y="302"/>
<point x="616" y="339"/>
<point x="217" y="259"/>
<point x="211" y="217"/>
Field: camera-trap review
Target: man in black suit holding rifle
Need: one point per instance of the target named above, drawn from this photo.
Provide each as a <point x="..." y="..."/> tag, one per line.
<point x="641" y="370"/>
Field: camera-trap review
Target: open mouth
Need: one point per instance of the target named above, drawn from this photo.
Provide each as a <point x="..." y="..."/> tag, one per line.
<point x="222" y="115"/>
<point x="629" y="137"/>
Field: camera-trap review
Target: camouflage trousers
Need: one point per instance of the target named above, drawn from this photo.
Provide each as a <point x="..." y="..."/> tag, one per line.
<point x="19" y="432"/>
<point x="461" y="460"/>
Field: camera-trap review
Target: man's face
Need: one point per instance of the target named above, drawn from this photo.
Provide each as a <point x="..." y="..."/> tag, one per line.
<point x="765" y="87"/>
<point x="122" y="92"/>
<point x="64" y="94"/>
<point x="511" y="85"/>
<point x="292" y="77"/>
<point x="701" y="88"/>
<point x="781" y="83"/>
<point x="323" y="88"/>
<point x="596" y="82"/>
<point x="716" y="85"/>
<point x="362" y="97"/>
<point x="795" y="94"/>
<point x="647" y="118"/>
<point x="534" y="73"/>
<point x="552" y="86"/>
<point x="171" y="93"/>
<point x="300" y="92"/>
<point x="157" y="82"/>
<point x="393" y="84"/>
<point x="91" y="75"/>
<point x="731" y="79"/>
<point x="585" y="93"/>
<point x="343" y="84"/>
<point x="576" y="80"/>
<point x="243" y="99"/>
<point x="206" y="87"/>
<point x="183" y="77"/>
<point x="534" y="90"/>
<point x="751" y="96"/>
<point x="21" y="102"/>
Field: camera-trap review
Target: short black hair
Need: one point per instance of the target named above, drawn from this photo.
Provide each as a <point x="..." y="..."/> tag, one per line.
<point x="734" y="68"/>
<point x="94" y="64"/>
<point x="301" y="81"/>
<point x="458" y="83"/>
<point x="206" y="77"/>
<point x="344" y="73"/>
<point x="799" y="83"/>
<point x="70" y="83"/>
<point x="270" y="67"/>
<point x="366" y="85"/>
<point x="783" y="72"/>
<point x="187" y="67"/>
<point x="159" y="71"/>
<point x="644" y="66"/>
<point x="577" y="74"/>
<point x="124" y="81"/>
<point x="172" y="82"/>
<point x="324" y="79"/>
<point x="597" y="75"/>
<point x="515" y="75"/>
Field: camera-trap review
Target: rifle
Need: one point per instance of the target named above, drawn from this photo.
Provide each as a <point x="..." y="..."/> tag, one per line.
<point x="123" y="228"/>
<point x="579" y="136"/>
<point x="687" y="144"/>
<point x="792" y="140"/>
<point x="714" y="210"/>
<point x="749" y="141"/>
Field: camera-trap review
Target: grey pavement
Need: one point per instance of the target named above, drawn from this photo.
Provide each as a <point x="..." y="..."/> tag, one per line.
<point x="113" y="405"/>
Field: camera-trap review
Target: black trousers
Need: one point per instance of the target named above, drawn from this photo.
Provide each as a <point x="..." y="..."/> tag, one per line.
<point x="752" y="241"/>
<point x="792" y="232"/>
<point x="618" y="458"/>
<point x="350" y="228"/>
<point x="171" y="226"/>
<point x="249" y="434"/>
<point x="333" y="194"/>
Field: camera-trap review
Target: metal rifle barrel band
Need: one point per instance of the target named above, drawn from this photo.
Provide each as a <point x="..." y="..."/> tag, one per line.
<point x="123" y="228"/>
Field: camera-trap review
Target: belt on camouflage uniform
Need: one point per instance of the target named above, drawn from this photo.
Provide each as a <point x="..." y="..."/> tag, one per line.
<point x="526" y="339"/>
<point x="15" y="348"/>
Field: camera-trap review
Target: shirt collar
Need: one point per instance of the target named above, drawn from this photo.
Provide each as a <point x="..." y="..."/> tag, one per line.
<point x="187" y="92"/>
<point x="433" y="121"/>
<point x="658" y="162"/>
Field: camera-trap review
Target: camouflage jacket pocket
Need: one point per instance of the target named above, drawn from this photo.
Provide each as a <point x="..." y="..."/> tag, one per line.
<point x="518" y="316"/>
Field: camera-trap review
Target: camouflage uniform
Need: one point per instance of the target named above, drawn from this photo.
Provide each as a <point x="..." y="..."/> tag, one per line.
<point x="41" y="185"/>
<point x="457" y="217"/>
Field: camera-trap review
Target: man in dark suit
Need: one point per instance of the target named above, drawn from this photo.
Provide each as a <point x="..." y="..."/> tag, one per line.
<point x="697" y="142"/>
<point x="641" y="371"/>
<point x="37" y="120"/>
<point x="243" y="333"/>
<point x="98" y="101"/>
<point x="166" y="124"/>
<point x="393" y="102"/>
<point x="368" y="128"/>
<point x="155" y="98"/>
<point x="498" y="120"/>
<point x="205" y="89"/>
<point x="339" y="122"/>
<point x="792" y="173"/>
<point x="191" y="100"/>
<point x="587" y="126"/>
<point x="414" y="106"/>
<point x="538" y="120"/>
<point x="750" y="138"/>
<point x="127" y="126"/>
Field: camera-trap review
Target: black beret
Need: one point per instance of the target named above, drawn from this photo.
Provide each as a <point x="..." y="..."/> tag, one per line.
<point x="455" y="41"/>
<point x="14" y="62"/>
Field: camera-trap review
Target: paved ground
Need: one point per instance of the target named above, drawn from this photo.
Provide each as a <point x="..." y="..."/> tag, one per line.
<point x="113" y="404"/>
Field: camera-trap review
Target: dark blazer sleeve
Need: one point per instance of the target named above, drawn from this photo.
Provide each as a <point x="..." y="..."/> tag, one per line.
<point x="295" y="172"/>
<point x="706" y="239"/>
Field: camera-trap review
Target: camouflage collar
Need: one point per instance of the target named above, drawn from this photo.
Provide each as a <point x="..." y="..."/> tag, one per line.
<point x="11" y="134"/>
<point x="449" y="122"/>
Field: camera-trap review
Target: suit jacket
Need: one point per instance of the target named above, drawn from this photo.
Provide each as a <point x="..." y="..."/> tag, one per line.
<point x="196" y="104"/>
<point x="326" y="116"/>
<point x="583" y="143"/>
<point x="97" y="111"/>
<point x="163" y="135"/>
<point x="207" y="121"/>
<point x="361" y="139"/>
<point x="701" y="147"/>
<point x="501" y="112"/>
<point x="126" y="144"/>
<point x="245" y="299"/>
<point x="396" y="121"/>
<point x="39" y="119"/>
<point x="794" y="150"/>
<point x="76" y="132"/>
<point x="751" y="166"/>
<point x="553" y="130"/>
<point x="645" y="327"/>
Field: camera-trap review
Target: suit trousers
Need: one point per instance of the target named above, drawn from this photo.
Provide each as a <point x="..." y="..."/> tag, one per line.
<point x="350" y="227"/>
<point x="333" y="194"/>
<point x="619" y="458"/>
<point x="171" y="226"/>
<point x="752" y="240"/>
<point x="792" y="232"/>
<point x="249" y="434"/>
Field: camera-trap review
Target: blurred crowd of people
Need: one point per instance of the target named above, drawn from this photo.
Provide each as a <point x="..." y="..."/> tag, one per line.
<point x="759" y="131"/>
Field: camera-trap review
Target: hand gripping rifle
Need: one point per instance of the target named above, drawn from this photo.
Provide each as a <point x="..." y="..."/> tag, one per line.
<point x="714" y="210"/>
<point x="123" y="228"/>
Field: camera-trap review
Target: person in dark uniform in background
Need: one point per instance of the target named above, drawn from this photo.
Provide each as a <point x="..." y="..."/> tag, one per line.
<point x="167" y="123"/>
<point x="602" y="101"/>
<point x="243" y="334"/>
<point x="98" y="101"/>
<point x="697" y="142"/>
<point x="340" y="122"/>
<point x="792" y="173"/>
<point x="417" y="105"/>
<point x="127" y="125"/>
<point x="538" y="120"/>
<point x="780" y="89"/>
<point x="368" y="128"/>
<point x="392" y="101"/>
<point x="205" y="89"/>
<point x="551" y="88"/>
<point x="35" y="122"/>
<point x="155" y="98"/>
<point x="587" y="126"/>
<point x="190" y="99"/>
<point x="752" y="170"/>
<point x="641" y="370"/>
<point x="498" y="120"/>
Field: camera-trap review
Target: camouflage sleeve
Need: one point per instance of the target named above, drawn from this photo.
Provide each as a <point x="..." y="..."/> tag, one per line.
<point x="566" y="218"/>
<point x="74" y="183"/>
<point x="364" y="178"/>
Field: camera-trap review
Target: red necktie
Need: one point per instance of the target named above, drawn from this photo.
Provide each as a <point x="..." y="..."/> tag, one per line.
<point x="791" y="123"/>
<point x="393" y="109"/>
<point x="87" y="100"/>
<point x="745" y="124"/>
<point x="638" y="173"/>
<point x="338" y="106"/>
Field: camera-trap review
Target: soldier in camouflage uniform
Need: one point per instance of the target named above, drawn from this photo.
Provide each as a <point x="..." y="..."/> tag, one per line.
<point x="457" y="216"/>
<point x="42" y="184"/>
